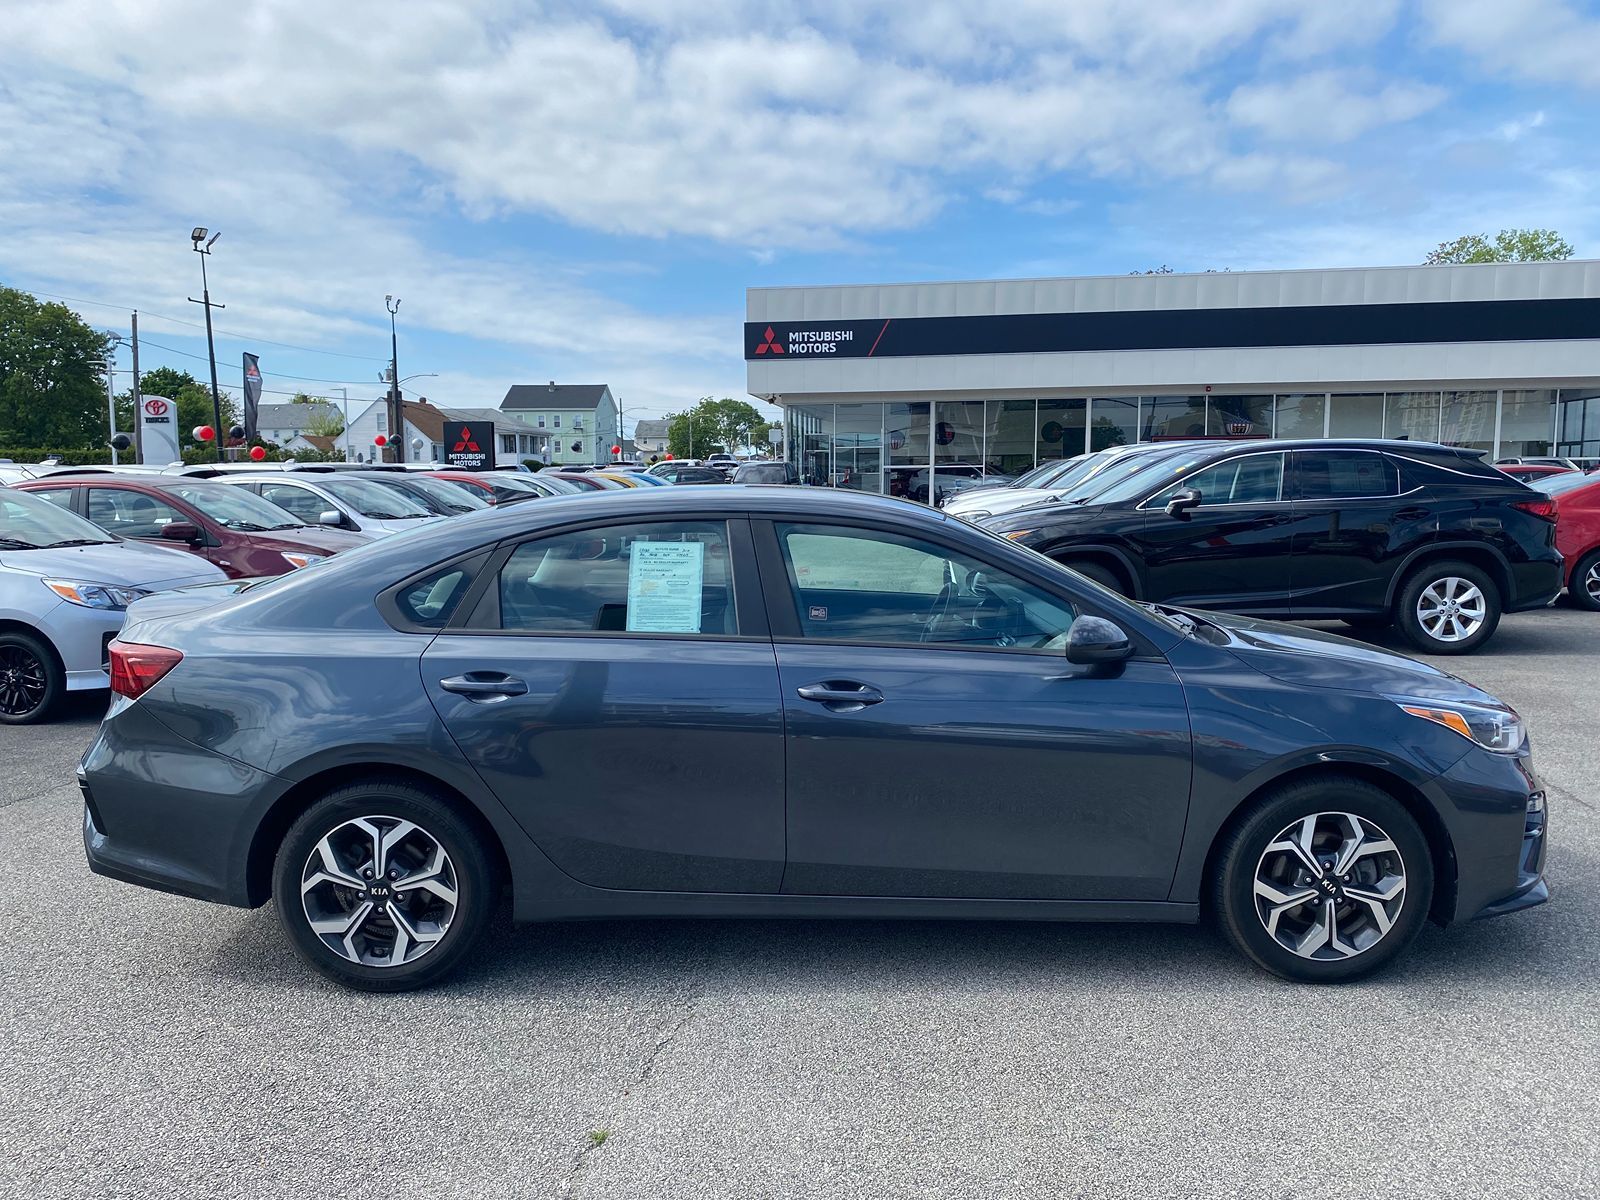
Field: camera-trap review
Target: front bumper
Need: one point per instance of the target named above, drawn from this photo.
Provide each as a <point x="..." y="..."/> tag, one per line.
<point x="80" y="636"/>
<point x="1500" y="833"/>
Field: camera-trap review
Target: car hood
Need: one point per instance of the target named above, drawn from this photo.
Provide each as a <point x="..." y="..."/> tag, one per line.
<point x="1308" y="658"/>
<point x="124" y="564"/>
<point x="998" y="500"/>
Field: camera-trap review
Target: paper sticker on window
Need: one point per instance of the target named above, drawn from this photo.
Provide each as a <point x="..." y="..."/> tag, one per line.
<point x="818" y="612"/>
<point x="664" y="585"/>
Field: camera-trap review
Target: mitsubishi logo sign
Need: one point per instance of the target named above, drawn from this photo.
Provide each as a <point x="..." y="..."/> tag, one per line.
<point x="769" y="343"/>
<point x="468" y="445"/>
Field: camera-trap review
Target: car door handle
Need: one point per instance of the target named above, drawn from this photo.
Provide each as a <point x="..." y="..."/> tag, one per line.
<point x="841" y="695"/>
<point x="485" y="685"/>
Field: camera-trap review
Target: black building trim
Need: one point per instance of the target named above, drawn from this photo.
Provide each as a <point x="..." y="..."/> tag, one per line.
<point x="1179" y="329"/>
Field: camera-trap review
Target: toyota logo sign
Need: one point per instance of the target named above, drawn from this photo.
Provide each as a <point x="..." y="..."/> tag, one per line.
<point x="156" y="408"/>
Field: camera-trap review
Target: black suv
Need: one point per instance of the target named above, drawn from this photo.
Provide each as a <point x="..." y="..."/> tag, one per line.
<point x="1429" y="538"/>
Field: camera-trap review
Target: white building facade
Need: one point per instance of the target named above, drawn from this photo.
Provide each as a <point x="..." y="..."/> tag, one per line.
<point x="878" y="382"/>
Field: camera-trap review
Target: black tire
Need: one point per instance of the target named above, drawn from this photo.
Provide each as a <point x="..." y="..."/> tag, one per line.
<point x="1579" y="595"/>
<point x="1425" y="577"/>
<point x="1101" y="574"/>
<point x="32" y="682"/>
<point x="1240" y="852"/>
<point x="1369" y="621"/>
<point x="471" y="871"/>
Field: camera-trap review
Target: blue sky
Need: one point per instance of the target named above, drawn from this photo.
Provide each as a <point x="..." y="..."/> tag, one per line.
<point x="582" y="192"/>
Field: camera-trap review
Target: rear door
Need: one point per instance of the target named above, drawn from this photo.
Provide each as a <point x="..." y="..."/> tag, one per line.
<point x="615" y="686"/>
<point x="1352" y="528"/>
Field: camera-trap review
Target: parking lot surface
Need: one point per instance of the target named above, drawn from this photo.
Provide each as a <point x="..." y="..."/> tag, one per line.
<point x="153" y="1045"/>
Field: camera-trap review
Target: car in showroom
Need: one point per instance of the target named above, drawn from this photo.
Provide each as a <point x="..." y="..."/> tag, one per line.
<point x="1427" y="538"/>
<point x="1577" y="501"/>
<point x="65" y="585"/>
<point x="852" y="707"/>
<point x="243" y="534"/>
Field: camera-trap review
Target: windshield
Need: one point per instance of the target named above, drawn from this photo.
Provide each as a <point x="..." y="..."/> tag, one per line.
<point x="559" y="486"/>
<point x="1046" y="473"/>
<point x="374" y="500"/>
<point x="1132" y="477"/>
<point x="234" y="508"/>
<point x="30" y="522"/>
<point x="451" y="499"/>
<point x="1554" y="485"/>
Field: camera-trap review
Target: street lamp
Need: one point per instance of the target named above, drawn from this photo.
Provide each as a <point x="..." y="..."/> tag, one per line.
<point x="196" y="236"/>
<point x="396" y="414"/>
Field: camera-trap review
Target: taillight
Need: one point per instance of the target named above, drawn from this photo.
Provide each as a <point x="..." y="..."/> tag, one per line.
<point x="1539" y="508"/>
<point x="135" y="669"/>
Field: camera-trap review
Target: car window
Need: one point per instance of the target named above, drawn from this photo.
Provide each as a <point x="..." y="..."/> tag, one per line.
<point x="28" y="522"/>
<point x="302" y="502"/>
<point x="856" y="585"/>
<point x="131" y="514"/>
<point x="430" y="602"/>
<point x="59" y="496"/>
<point x="666" y="577"/>
<point x="232" y="507"/>
<point x="374" y="500"/>
<point x="1344" y="475"/>
<point x="1253" y="479"/>
<point x="1550" y="485"/>
<point x="452" y="499"/>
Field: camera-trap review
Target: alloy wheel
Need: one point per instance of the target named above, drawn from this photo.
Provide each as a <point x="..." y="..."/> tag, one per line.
<point x="1591" y="583"/>
<point x="23" y="681"/>
<point x="1330" y="886"/>
<point x="379" y="891"/>
<point x="1451" y="609"/>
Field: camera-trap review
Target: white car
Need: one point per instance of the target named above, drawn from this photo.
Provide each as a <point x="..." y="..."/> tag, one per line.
<point x="1084" y="475"/>
<point x="343" y="500"/>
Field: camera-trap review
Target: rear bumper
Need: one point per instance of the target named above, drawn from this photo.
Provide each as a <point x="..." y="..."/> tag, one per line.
<point x="1536" y="584"/>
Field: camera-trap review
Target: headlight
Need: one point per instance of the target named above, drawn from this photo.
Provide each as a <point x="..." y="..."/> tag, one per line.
<point x="298" y="560"/>
<point x="1494" y="728"/>
<point x="94" y="595"/>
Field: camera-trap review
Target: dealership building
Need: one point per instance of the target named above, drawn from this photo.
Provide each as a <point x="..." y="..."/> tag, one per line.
<point x="882" y="384"/>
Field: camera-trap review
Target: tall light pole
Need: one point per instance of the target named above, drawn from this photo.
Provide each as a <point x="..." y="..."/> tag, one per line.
<point x="196" y="236"/>
<point x="397" y="418"/>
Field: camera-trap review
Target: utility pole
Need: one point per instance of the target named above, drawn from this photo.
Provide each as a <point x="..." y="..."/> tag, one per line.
<point x="397" y="418"/>
<point x="197" y="236"/>
<point x="111" y="399"/>
<point x="138" y="399"/>
<point x="344" y="394"/>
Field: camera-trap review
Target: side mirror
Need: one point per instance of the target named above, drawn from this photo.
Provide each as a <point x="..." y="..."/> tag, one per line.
<point x="180" y="531"/>
<point x="1182" y="502"/>
<point x="330" y="516"/>
<point x="1094" y="640"/>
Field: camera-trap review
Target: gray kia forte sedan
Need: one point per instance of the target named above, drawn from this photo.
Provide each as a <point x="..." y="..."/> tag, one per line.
<point x="786" y="702"/>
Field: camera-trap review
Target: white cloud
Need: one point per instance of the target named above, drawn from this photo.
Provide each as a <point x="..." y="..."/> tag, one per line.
<point x="1328" y="106"/>
<point x="1547" y="41"/>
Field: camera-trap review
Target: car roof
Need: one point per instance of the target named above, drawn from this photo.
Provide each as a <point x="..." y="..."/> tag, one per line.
<point x="126" y="478"/>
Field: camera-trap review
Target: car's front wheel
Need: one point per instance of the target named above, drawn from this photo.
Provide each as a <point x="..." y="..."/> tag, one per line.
<point x="31" y="682"/>
<point x="1585" y="589"/>
<point x="383" y="886"/>
<point x="1448" y="608"/>
<point x="1324" y="880"/>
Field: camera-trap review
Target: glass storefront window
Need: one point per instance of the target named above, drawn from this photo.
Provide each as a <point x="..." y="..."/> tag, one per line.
<point x="1009" y="449"/>
<point x="1414" y="416"/>
<point x="1356" y="416"/>
<point x="1239" y="416"/>
<point x="1113" y="422"/>
<point x="1173" y="417"/>
<point x="1527" y="419"/>
<point x="905" y="444"/>
<point x="810" y="435"/>
<point x="1060" y="428"/>
<point x="858" y="447"/>
<point x="958" y="433"/>
<point x="1299" y="415"/>
<point x="1468" y="420"/>
<point x="1580" y="423"/>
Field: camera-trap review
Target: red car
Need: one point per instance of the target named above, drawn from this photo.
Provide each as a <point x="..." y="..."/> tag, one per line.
<point x="246" y="536"/>
<point x="1531" y="471"/>
<point x="1577" y="498"/>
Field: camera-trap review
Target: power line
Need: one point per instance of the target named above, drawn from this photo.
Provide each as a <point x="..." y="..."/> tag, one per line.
<point x="229" y="333"/>
<point x="274" y="374"/>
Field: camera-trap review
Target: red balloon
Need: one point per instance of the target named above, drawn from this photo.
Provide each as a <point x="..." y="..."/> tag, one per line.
<point x="258" y="452"/>
<point x="616" y="449"/>
<point x="204" y="433"/>
<point x="380" y="440"/>
<point x="669" y="458"/>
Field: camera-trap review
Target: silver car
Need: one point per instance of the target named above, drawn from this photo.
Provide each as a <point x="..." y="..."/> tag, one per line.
<point x="64" y="585"/>
<point x="342" y="500"/>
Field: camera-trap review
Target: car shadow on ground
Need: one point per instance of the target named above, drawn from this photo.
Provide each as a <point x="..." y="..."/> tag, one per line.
<point x="1544" y="633"/>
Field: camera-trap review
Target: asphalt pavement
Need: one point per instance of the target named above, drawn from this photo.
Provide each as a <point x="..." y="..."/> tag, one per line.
<point x="156" y="1046"/>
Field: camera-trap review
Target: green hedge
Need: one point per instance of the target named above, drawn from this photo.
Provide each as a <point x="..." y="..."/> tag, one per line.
<point x="28" y="456"/>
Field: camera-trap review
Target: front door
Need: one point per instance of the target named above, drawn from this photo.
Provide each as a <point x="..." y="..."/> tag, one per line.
<point x="1232" y="551"/>
<point x="616" y="689"/>
<point x="940" y="745"/>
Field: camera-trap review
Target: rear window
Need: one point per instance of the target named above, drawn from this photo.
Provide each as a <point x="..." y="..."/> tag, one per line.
<point x="1344" y="475"/>
<point x="431" y="601"/>
<point x="763" y="473"/>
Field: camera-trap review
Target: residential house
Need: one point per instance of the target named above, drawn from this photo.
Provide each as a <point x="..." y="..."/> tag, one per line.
<point x="650" y="438"/>
<point x="285" y="425"/>
<point x="581" y="419"/>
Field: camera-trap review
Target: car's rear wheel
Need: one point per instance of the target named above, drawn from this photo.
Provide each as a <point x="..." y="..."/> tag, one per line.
<point x="31" y="681"/>
<point x="383" y="886"/>
<point x="1324" y="880"/>
<point x="1585" y="589"/>
<point x="1448" y="608"/>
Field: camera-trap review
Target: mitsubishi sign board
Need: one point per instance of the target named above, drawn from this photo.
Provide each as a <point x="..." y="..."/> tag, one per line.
<point x="158" y="430"/>
<point x="469" y="445"/>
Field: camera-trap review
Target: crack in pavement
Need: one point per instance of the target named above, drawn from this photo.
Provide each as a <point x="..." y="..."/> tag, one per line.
<point x="44" y="795"/>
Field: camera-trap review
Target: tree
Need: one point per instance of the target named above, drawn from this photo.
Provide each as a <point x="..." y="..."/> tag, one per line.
<point x="713" y="426"/>
<point x="328" y="423"/>
<point x="693" y="434"/>
<point x="51" y="392"/>
<point x="166" y="381"/>
<point x="1509" y="245"/>
<point x="307" y="398"/>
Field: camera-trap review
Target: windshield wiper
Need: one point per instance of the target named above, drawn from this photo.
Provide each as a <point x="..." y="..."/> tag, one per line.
<point x="291" y="525"/>
<point x="73" y="542"/>
<point x="14" y="544"/>
<point x="248" y="526"/>
<point x="1182" y="619"/>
